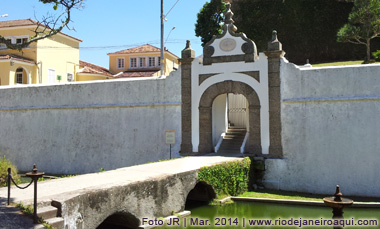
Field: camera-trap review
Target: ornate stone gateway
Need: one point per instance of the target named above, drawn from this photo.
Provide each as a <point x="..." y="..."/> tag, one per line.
<point x="230" y="64"/>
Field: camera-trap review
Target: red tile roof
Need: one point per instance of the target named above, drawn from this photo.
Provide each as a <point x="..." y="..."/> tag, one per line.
<point x="26" y="22"/>
<point x="15" y="57"/>
<point x="94" y="69"/>
<point x="17" y="23"/>
<point x="131" y="74"/>
<point x="142" y="49"/>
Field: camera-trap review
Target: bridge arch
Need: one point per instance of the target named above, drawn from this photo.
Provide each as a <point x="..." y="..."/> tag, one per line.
<point x="120" y="219"/>
<point x="205" y="114"/>
<point x="202" y="191"/>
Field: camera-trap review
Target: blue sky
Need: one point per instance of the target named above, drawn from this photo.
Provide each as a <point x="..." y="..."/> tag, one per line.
<point x="113" y="25"/>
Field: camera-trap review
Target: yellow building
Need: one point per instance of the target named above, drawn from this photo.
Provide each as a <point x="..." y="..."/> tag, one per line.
<point x="51" y="60"/>
<point x="142" y="61"/>
<point x="90" y="71"/>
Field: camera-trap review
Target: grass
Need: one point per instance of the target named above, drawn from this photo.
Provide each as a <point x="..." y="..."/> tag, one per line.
<point x="4" y="165"/>
<point x="355" y="62"/>
<point x="25" y="179"/>
<point x="287" y="195"/>
<point x="28" y="210"/>
<point x="269" y="194"/>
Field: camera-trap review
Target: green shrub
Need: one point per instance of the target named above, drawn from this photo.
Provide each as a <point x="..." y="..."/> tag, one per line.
<point x="229" y="178"/>
<point x="4" y="165"/>
<point x="376" y="55"/>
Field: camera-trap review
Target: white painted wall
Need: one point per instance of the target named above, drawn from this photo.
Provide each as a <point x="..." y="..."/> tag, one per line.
<point x="228" y="71"/>
<point x="330" y="129"/>
<point x="82" y="127"/>
<point x="219" y="116"/>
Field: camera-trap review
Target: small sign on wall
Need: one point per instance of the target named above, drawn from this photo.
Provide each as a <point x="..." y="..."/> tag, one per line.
<point x="170" y="137"/>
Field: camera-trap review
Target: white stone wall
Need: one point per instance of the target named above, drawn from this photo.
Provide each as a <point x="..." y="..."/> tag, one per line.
<point x="330" y="130"/>
<point x="219" y="118"/>
<point x="82" y="127"/>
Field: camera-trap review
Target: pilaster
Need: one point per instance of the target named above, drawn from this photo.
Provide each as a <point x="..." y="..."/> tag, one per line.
<point x="186" y="60"/>
<point x="274" y="54"/>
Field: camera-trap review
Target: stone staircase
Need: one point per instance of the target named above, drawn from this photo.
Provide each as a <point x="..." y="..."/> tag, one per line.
<point x="233" y="140"/>
<point x="50" y="215"/>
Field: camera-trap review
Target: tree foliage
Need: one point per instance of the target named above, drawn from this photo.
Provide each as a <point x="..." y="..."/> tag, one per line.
<point x="307" y="29"/>
<point x="209" y="20"/>
<point x="49" y="25"/>
<point x="363" y="24"/>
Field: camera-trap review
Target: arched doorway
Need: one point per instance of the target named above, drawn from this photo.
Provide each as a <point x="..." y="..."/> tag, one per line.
<point x="253" y="144"/>
<point x="229" y="122"/>
<point x="21" y="76"/>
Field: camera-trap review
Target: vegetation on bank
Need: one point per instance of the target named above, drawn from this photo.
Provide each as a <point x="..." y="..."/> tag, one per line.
<point x="4" y="165"/>
<point x="270" y="194"/>
<point x="290" y="195"/>
<point x="229" y="178"/>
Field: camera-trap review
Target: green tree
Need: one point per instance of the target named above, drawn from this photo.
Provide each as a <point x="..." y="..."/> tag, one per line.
<point x="307" y="29"/>
<point x="209" y="20"/>
<point x="49" y="26"/>
<point x="363" y="24"/>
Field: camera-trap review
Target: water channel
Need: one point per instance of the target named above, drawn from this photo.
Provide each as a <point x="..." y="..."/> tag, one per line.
<point x="241" y="214"/>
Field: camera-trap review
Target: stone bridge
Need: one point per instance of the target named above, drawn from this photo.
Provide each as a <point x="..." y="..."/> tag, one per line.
<point x="123" y="195"/>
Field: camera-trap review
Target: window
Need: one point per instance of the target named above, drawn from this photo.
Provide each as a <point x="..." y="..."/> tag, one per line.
<point x="133" y="62"/>
<point x="20" y="41"/>
<point x="120" y="63"/>
<point x="19" y="76"/>
<point x="159" y="61"/>
<point x="151" y="62"/>
<point x="51" y="76"/>
<point x="142" y="62"/>
<point x="70" y="77"/>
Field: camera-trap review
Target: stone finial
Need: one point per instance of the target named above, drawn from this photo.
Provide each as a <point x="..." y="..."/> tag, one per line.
<point x="188" y="52"/>
<point x="228" y="14"/>
<point x="228" y="21"/>
<point x="338" y="195"/>
<point x="274" y="44"/>
<point x="188" y="44"/>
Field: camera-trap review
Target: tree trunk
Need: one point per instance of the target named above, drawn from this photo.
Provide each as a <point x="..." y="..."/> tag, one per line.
<point x="368" y="50"/>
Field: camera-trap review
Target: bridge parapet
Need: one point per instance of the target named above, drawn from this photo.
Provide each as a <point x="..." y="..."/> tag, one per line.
<point x="124" y="195"/>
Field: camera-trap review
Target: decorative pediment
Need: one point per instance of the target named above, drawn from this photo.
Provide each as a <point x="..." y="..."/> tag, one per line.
<point x="229" y="46"/>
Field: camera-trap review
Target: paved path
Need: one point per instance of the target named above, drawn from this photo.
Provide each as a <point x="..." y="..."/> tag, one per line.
<point x="12" y="218"/>
<point x="66" y="188"/>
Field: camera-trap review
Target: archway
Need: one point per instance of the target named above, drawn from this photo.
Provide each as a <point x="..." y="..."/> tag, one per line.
<point x="253" y="144"/>
<point x="202" y="193"/>
<point x="122" y="220"/>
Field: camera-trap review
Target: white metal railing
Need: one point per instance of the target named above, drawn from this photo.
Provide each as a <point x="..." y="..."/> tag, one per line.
<point x="242" y="148"/>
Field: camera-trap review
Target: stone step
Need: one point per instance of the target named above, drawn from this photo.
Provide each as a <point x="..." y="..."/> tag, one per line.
<point x="236" y="132"/>
<point x="236" y="128"/>
<point x="232" y="141"/>
<point x="56" y="222"/>
<point x="47" y="212"/>
<point x="229" y="151"/>
<point x="233" y="138"/>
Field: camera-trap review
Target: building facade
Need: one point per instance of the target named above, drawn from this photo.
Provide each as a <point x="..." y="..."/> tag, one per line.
<point x="51" y="60"/>
<point x="141" y="61"/>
